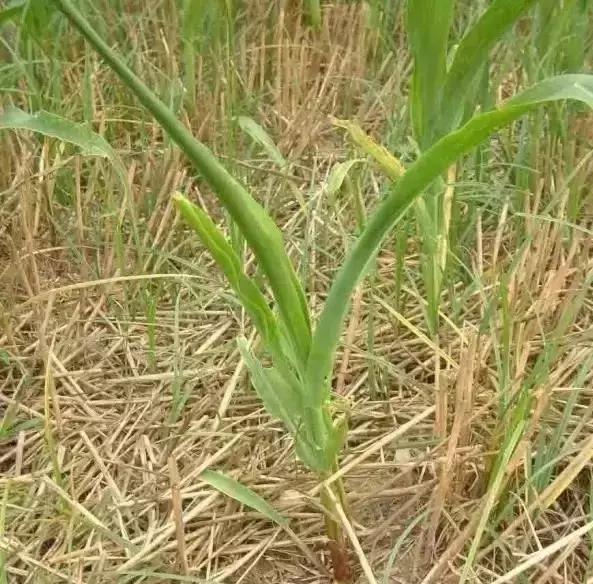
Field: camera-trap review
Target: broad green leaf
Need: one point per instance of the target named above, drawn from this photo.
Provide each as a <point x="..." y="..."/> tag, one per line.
<point x="258" y="228"/>
<point x="471" y="55"/>
<point x="259" y="135"/>
<point x="420" y="175"/>
<point x="389" y="164"/>
<point x="429" y="23"/>
<point x="546" y="19"/>
<point x="243" y="494"/>
<point x="576" y="35"/>
<point x="223" y="253"/>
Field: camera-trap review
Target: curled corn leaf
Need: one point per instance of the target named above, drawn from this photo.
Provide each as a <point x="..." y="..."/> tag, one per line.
<point x="390" y="165"/>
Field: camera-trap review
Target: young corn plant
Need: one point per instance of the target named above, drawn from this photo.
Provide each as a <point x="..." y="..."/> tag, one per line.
<point x="444" y="93"/>
<point x="296" y="388"/>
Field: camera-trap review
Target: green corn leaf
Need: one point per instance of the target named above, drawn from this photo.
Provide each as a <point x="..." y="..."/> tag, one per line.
<point x="279" y="397"/>
<point x="243" y="494"/>
<point x="418" y="177"/>
<point x="429" y="23"/>
<point x="388" y="163"/>
<point x="258" y="228"/>
<point x="472" y="53"/>
<point x="283" y="400"/>
<point x="223" y="253"/>
<point x="261" y="137"/>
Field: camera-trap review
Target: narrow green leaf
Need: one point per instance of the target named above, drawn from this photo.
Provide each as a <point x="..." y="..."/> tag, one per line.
<point x="338" y="175"/>
<point x="388" y="163"/>
<point x="313" y="11"/>
<point x="338" y="436"/>
<point x="53" y="126"/>
<point x="195" y="13"/>
<point x="243" y="494"/>
<point x="283" y="399"/>
<point x="223" y="253"/>
<point x="429" y="23"/>
<point x="260" y="231"/>
<point x="259" y="135"/>
<point x="494" y="487"/>
<point x="472" y="53"/>
<point x="419" y="176"/>
<point x="279" y="397"/>
<point x="37" y="18"/>
<point x="90" y="143"/>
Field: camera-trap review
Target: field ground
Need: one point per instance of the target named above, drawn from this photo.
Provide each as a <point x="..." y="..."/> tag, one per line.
<point x="120" y="377"/>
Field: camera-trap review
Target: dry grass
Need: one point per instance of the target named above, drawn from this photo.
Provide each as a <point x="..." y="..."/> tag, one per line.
<point x="122" y="380"/>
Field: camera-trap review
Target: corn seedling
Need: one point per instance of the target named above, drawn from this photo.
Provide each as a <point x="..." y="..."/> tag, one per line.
<point x="296" y="388"/>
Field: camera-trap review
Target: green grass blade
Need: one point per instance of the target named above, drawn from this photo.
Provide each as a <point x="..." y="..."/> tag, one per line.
<point x="201" y="24"/>
<point x="36" y="19"/>
<point x="243" y="494"/>
<point x="418" y="176"/>
<point x="494" y="488"/>
<point x="90" y="143"/>
<point x="261" y="137"/>
<point x="313" y="11"/>
<point x="262" y="235"/>
<point x="52" y="126"/>
<point x="472" y="54"/>
<point x="429" y="23"/>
